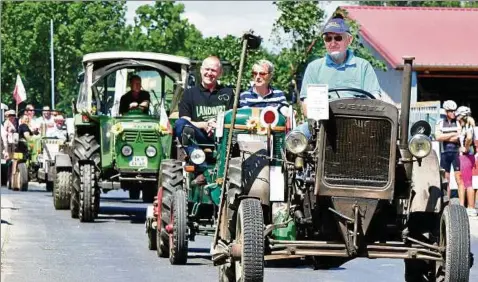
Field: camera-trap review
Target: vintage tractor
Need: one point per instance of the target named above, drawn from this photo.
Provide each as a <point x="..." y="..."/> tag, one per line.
<point x="109" y="148"/>
<point x="183" y="208"/>
<point x="362" y="187"/>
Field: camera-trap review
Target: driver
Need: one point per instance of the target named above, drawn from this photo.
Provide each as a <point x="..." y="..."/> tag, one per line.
<point x="200" y="105"/>
<point x="262" y="94"/>
<point x="339" y="68"/>
<point x="135" y="98"/>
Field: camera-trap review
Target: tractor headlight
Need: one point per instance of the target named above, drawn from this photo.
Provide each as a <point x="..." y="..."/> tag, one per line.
<point x="126" y="150"/>
<point x="420" y="146"/>
<point x="198" y="156"/>
<point x="295" y="142"/>
<point x="150" y="151"/>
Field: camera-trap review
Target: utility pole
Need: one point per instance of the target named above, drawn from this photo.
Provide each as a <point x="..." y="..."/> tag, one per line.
<point x="52" y="67"/>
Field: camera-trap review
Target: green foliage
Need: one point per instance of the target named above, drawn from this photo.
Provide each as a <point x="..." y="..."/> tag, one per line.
<point x="79" y="28"/>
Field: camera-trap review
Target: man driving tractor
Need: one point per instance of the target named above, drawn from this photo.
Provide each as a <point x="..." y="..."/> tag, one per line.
<point x="201" y="104"/>
<point x="135" y="98"/>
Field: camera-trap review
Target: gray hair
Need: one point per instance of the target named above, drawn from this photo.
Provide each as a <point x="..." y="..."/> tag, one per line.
<point x="270" y="66"/>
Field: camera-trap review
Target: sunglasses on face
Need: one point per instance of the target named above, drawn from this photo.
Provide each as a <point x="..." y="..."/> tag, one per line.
<point x="261" y="74"/>
<point x="337" y="38"/>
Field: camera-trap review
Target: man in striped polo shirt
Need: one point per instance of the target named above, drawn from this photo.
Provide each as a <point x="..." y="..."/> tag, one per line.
<point x="262" y="94"/>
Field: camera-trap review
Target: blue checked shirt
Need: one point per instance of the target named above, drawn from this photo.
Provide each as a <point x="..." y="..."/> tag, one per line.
<point x="251" y="99"/>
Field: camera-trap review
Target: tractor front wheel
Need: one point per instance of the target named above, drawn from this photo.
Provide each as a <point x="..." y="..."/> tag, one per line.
<point x="178" y="238"/>
<point x="62" y="190"/>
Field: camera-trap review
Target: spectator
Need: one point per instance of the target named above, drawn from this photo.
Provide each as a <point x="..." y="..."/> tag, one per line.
<point x="467" y="155"/>
<point x="46" y="122"/>
<point x="447" y="133"/>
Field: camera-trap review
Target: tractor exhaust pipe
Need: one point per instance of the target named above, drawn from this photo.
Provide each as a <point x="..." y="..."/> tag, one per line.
<point x="405" y="106"/>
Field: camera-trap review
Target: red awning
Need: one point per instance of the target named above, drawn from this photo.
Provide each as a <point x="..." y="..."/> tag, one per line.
<point x="438" y="38"/>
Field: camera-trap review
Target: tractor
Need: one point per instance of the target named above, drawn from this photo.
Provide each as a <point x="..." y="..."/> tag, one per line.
<point x="363" y="185"/>
<point x="111" y="148"/>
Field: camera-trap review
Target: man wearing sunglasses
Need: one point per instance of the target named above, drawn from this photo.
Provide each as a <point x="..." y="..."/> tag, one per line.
<point x="262" y="94"/>
<point x="199" y="107"/>
<point x="340" y="68"/>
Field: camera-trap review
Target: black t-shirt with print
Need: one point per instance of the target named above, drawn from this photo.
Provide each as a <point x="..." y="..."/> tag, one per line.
<point x="128" y="98"/>
<point x="200" y="104"/>
<point x="22" y="145"/>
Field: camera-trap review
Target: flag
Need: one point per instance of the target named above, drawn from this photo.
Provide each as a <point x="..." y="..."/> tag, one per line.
<point x="164" y="123"/>
<point x="19" y="93"/>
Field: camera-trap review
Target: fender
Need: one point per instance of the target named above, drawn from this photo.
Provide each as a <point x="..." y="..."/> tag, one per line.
<point x="63" y="161"/>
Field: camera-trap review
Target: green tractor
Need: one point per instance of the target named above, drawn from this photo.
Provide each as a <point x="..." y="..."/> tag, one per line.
<point x="127" y="149"/>
<point x="184" y="209"/>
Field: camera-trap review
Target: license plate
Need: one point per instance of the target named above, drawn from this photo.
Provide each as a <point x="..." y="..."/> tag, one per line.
<point x="18" y="156"/>
<point x="139" y="161"/>
<point x="251" y="142"/>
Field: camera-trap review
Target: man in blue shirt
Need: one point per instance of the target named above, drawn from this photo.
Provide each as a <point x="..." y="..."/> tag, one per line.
<point x="261" y="94"/>
<point x="340" y="68"/>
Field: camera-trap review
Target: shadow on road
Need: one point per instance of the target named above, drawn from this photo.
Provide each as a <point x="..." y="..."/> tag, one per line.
<point x="133" y="214"/>
<point x="120" y="200"/>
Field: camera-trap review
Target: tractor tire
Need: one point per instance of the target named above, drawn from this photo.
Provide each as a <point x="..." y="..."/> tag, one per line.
<point x="75" y="196"/>
<point x="178" y="240"/>
<point x="134" y="193"/>
<point x="87" y="193"/>
<point x="86" y="157"/>
<point x="455" y="237"/>
<point x="22" y="172"/>
<point x="62" y="190"/>
<point x="49" y="186"/>
<point x="152" y="244"/>
<point x="250" y="231"/>
<point x="149" y="191"/>
<point x="171" y="180"/>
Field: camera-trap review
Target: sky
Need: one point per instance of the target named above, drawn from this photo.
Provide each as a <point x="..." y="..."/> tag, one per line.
<point x="219" y="18"/>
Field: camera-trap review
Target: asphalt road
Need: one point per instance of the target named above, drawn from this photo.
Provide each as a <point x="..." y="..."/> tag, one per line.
<point x="47" y="245"/>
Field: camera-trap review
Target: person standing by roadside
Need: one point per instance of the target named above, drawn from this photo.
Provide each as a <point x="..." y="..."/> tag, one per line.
<point x="467" y="155"/>
<point x="447" y="133"/>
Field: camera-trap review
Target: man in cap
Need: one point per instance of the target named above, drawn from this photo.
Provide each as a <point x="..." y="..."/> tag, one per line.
<point x="340" y="68"/>
<point x="46" y="121"/>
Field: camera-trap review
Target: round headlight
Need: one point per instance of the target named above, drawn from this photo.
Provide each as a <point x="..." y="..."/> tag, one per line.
<point x="296" y="142"/>
<point x="420" y="146"/>
<point x="198" y="156"/>
<point x="150" y="151"/>
<point x="126" y="150"/>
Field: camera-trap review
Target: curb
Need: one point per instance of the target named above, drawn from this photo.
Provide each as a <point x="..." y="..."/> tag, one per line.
<point x="6" y="214"/>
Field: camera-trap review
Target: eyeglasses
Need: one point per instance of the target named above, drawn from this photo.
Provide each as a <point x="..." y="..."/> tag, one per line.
<point x="261" y="74"/>
<point x="337" y="38"/>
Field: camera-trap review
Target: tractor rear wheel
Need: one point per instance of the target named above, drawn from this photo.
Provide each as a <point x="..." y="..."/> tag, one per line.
<point x="178" y="239"/>
<point x="86" y="155"/>
<point x="171" y="180"/>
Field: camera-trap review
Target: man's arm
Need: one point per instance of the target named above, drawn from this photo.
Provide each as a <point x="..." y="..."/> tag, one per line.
<point x="370" y="82"/>
<point x="144" y="105"/>
<point x="445" y="137"/>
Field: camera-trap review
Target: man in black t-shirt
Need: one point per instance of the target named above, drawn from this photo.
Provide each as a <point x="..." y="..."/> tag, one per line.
<point x="135" y="98"/>
<point x="200" y="105"/>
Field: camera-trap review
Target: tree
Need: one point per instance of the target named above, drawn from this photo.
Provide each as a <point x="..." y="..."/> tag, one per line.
<point x="79" y="28"/>
<point x="159" y="28"/>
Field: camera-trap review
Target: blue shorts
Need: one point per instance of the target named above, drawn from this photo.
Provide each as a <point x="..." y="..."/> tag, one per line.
<point x="449" y="159"/>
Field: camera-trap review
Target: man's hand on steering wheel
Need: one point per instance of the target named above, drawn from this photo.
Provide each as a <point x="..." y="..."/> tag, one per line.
<point x="133" y="105"/>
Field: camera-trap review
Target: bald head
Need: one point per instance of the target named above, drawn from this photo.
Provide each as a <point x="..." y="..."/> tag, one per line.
<point x="211" y="71"/>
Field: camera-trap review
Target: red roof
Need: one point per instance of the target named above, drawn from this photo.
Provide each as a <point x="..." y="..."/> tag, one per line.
<point x="438" y="38"/>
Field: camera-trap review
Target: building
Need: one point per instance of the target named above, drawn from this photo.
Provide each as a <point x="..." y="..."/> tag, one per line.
<point x="444" y="42"/>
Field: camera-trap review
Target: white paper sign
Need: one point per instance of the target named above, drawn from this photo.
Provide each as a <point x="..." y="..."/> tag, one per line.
<point x="317" y="101"/>
<point x="277" y="185"/>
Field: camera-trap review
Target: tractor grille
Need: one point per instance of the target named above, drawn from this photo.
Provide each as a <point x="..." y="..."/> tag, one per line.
<point x="357" y="152"/>
<point x="141" y="136"/>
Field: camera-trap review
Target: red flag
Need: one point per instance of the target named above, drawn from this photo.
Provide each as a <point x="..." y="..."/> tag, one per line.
<point x="19" y="93"/>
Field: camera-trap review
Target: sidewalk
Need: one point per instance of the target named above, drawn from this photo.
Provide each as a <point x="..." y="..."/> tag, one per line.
<point x="474" y="227"/>
<point x="6" y="213"/>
